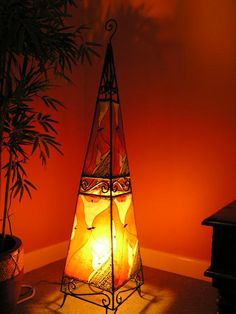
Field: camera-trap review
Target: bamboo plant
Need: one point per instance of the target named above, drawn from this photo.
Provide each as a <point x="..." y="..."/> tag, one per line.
<point x="36" y="44"/>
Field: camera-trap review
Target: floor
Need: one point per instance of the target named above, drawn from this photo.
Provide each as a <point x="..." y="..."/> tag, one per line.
<point x="163" y="293"/>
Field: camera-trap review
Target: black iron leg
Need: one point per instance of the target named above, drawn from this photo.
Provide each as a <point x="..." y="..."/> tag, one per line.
<point x="63" y="301"/>
<point x="140" y="292"/>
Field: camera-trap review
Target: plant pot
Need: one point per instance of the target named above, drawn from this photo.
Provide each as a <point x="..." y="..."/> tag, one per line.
<point x="11" y="272"/>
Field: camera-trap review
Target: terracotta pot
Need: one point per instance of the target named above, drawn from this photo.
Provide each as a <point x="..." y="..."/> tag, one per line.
<point x="11" y="272"/>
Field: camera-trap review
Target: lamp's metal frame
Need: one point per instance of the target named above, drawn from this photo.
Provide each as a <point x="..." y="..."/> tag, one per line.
<point x="86" y="291"/>
<point x="108" y="300"/>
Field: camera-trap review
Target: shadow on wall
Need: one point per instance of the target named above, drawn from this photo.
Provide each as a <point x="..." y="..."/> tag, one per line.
<point x="138" y="36"/>
<point x="188" y="43"/>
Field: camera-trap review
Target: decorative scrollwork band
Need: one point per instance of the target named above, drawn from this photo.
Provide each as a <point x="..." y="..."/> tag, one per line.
<point x="102" y="186"/>
<point x="121" y="184"/>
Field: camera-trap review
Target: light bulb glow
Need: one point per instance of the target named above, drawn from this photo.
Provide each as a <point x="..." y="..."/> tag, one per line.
<point x="101" y="252"/>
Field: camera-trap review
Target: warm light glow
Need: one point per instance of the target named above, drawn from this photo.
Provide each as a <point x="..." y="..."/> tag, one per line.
<point x="101" y="251"/>
<point x="91" y="244"/>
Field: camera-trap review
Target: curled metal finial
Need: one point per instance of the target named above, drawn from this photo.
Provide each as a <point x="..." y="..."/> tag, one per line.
<point x="111" y="26"/>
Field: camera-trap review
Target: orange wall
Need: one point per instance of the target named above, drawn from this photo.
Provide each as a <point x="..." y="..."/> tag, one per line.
<point x="176" y="65"/>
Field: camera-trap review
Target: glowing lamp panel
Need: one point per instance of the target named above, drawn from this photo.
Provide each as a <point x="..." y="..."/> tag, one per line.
<point x="102" y="226"/>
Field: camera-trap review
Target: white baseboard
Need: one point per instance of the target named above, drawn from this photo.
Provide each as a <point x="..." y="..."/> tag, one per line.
<point x="180" y="265"/>
<point x="44" y="256"/>
<point x="156" y="259"/>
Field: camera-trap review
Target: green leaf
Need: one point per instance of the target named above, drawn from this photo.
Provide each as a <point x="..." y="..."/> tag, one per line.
<point x="46" y="148"/>
<point x="21" y="192"/>
<point x="17" y="188"/>
<point x="50" y="127"/>
<point x="56" y="148"/>
<point x="30" y="184"/>
<point x="21" y="168"/>
<point x="43" y="158"/>
<point x="27" y="190"/>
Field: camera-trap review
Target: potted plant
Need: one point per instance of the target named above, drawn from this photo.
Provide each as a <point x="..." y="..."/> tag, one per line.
<point x="36" y="45"/>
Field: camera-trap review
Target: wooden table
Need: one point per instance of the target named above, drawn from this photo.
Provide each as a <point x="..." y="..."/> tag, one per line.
<point x="223" y="257"/>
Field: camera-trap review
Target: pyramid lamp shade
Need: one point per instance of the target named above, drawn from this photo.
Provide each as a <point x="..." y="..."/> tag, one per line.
<point x="103" y="264"/>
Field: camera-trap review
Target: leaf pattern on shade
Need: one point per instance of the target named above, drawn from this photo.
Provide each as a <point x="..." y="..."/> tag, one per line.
<point x="102" y="169"/>
<point x="103" y="109"/>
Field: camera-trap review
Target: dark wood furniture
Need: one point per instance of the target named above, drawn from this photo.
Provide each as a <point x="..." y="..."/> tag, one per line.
<point x="223" y="257"/>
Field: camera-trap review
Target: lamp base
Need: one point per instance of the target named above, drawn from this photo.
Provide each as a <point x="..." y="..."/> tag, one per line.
<point x="108" y="300"/>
